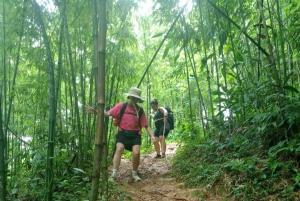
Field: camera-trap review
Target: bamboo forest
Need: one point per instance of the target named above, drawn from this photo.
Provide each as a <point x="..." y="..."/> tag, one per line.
<point x="227" y="71"/>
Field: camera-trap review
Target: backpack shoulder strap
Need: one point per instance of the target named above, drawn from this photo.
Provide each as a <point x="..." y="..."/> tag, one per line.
<point x="123" y="109"/>
<point x="140" y="113"/>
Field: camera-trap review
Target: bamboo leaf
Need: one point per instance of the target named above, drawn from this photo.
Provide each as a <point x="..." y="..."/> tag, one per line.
<point x="217" y="93"/>
<point x="78" y="170"/>
<point x="14" y="191"/>
<point x="176" y="57"/>
<point x="233" y="75"/>
<point x="157" y="35"/>
<point x="223" y="70"/>
<point x="245" y="52"/>
<point x="291" y="88"/>
<point x="236" y="64"/>
<point x="166" y="51"/>
<point x="202" y="67"/>
<point x="223" y="100"/>
<point x="273" y="76"/>
<point x="289" y="76"/>
<point x="239" y="57"/>
<point x="209" y="56"/>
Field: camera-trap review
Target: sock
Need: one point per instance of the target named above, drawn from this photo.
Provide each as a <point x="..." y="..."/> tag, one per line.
<point x="114" y="172"/>
<point x="134" y="173"/>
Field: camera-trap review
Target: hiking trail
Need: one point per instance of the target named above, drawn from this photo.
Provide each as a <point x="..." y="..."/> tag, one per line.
<point x="157" y="183"/>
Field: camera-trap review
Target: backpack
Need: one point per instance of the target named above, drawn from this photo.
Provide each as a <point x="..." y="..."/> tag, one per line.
<point x="117" y="121"/>
<point x="170" y="117"/>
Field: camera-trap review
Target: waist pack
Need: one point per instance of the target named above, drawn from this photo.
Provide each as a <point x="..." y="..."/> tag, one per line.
<point x="130" y="133"/>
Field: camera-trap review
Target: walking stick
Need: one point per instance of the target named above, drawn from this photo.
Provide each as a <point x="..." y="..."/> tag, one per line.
<point x="162" y="143"/>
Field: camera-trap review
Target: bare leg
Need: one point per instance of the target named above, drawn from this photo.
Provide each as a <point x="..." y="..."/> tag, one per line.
<point x="117" y="156"/>
<point x="135" y="157"/>
<point x="156" y="145"/>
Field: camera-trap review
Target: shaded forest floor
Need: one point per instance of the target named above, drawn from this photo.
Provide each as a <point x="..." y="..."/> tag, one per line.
<point x="157" y="182"/>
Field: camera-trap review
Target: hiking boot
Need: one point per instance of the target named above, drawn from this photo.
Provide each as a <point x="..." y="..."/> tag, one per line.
<point x="157" y="156"/>
<point x="163" y="155"/>
<point x="136" y="178"/>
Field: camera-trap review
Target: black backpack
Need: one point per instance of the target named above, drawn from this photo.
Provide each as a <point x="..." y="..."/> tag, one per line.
<point x="170" y="117"/>
<point x="139" y="113"/>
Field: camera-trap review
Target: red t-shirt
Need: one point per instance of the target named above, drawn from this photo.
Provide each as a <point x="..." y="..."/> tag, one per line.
<point x="129" y="121"/>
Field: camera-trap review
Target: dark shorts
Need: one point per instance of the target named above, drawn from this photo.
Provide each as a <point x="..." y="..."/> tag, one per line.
<point x="129" y="142"/>
<point x="160" y="131"/>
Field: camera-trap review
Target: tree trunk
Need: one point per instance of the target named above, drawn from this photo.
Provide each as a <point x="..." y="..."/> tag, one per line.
<point x="189" y="89"/>
<point x="15" y="71"/>
<point x="83" y="100"/>
<point x="78" y="122"/>
<point x="200" y="97"/>
<point x="148" y="104"/>
<point x="58" y="95"/>
<point x="95" y="41"/>
<point x="95" y="64"/>
<point x="200" y="5"/>
<point x="100" y="82"/>
<point x="282" y="42"/>
<point x="89" y="118"/>
<point x="104" y="161"/>
<point x="271" y="60"/>
<point x="2" y="157"/>
<point x="5" y="138"/>
<point x="4" y="61"/>
<point x="52" y="109"/>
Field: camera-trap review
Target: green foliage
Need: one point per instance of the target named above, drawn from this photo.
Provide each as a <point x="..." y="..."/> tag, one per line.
<point x="244" y="175"/>
<point x="185" y="131"/>
<point x="251" y="118"/>
<point x="124" y="197"/>
<point x="257" y="159"/>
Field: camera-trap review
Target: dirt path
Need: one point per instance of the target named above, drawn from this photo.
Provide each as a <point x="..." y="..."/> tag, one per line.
<point x="156" y="184"/>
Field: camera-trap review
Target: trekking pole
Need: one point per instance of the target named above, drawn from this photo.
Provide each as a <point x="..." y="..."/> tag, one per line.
<point x="162" y="144"/>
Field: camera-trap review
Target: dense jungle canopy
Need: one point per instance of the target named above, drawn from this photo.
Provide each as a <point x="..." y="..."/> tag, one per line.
<point x="228" y="69"/>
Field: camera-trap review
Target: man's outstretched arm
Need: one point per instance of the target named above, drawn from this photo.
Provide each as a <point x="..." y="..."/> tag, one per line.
<point x="92" y="110"/>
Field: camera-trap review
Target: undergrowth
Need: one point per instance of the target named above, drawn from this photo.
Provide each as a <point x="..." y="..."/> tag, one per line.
<point x="257" y="160"/>
<point x="70" y="183"/>
<point x="239" y="170"/>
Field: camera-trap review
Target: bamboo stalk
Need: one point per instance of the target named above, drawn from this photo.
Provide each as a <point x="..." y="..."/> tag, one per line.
<point x="73" y="75"/>
<point x="52" y="109"/>
<point x="100" y="139"/>
<point x="2" y="157"/>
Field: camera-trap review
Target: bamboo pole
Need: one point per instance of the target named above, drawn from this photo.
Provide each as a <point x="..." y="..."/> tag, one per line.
<point x="100" y="139"/>
<point x="2" y="157"/>
<point x="52" y="109"/>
